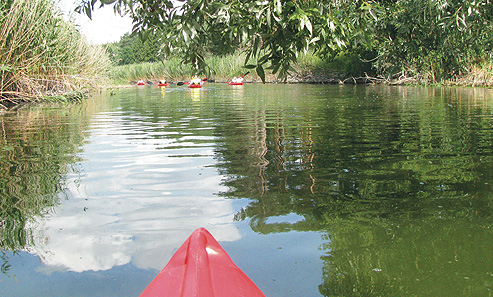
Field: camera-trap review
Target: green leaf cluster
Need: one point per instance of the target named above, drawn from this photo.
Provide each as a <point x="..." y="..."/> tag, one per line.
<point x="436" y="37"/>
<point x="133" y="48"/>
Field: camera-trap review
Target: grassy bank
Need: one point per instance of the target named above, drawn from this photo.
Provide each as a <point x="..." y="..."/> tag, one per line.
<point x="42" y="56"/>
<point x="478" y="75"/>
<point x="222" y="69"/>
<point x="309" y="69"/>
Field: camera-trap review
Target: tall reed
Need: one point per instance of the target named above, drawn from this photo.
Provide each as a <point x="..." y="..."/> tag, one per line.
<point x="477" y="75"/>
<point x="41" y="54"/>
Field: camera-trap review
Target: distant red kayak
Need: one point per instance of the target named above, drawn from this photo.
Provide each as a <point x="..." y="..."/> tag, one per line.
<point x="235" y="83"/>
<point x="194" y="86"/>
<point x="201" y="267"/>
<point x="163" y="85"/>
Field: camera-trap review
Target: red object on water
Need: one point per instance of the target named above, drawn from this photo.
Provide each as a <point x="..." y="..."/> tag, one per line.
<point x="194" y="86"/>
<point x="201" y="268"/>
<point x="235" y="83"/>
<point x="163" y="85"/>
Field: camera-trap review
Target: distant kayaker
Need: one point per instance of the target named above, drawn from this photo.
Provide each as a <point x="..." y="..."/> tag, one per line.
<point x="162" y="81"/>
<point x="237" y="79"/>
<point x="195" y="81"/>
<point x="141" y="82"/>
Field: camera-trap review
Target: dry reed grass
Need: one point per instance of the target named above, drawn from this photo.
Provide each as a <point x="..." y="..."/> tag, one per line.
<point x="43" y="55"/>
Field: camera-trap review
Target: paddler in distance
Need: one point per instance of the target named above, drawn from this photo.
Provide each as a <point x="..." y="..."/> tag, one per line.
<point x="237" y="79"/>
<point x="195" y="80"/>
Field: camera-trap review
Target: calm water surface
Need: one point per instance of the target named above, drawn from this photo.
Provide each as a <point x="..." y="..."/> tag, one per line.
<point x="313" y="190"/>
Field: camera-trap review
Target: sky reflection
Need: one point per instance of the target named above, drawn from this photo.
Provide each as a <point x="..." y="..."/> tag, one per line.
<point x="133" y="199"/>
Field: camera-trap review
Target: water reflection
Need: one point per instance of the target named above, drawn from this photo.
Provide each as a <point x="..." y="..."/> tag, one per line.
<point x="395" y="181"/>
<point x="364" y="151"/>
<point x="416" y="258"/>
<point x="134" y="200"/>
<point x="373" y="168"/>
<point x="195" y="94"/>
<point x="37" y="148"/>
<point x="163" y="91"/>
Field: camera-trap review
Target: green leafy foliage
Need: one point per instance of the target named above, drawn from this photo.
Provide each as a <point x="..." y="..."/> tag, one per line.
<point x="132" y="48"/>
<point x="270" y="32"/>
<point x="437" y="37"/>
<point x="434" y="38"/>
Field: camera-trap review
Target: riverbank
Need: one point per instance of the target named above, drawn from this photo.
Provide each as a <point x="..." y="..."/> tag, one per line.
<point x="308" y="69"/>
<point x="479" y="78"/>
<point x="43" y="57"/>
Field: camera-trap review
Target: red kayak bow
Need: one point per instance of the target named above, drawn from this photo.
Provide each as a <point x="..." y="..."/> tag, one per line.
<point x="201" y="267"/>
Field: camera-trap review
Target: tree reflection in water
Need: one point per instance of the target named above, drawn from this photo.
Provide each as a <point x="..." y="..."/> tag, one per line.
<point x="37" y="149"/>
<point x="400" y="186"/>
<point x="397" y="179"/>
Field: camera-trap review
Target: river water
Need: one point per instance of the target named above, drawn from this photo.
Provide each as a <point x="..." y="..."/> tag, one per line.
<point x="313" y="190"/>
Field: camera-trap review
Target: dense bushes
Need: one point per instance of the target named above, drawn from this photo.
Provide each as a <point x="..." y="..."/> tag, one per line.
<point x="432" y="39"/>
<point x="436" y="39"/>
<point x="133" y="48"/>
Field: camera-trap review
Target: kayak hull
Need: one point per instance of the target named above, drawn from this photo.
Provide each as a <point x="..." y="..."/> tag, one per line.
<point x="201" y="267"/>
<point x="235" y="83"/>
<point x="194" y="86"/>
<point x="163" y="85"/>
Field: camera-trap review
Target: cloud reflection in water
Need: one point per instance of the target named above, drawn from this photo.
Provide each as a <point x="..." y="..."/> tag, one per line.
<point x="137" y="197"/>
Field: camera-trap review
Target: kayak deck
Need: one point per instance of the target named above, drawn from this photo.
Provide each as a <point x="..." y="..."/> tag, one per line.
<point x="201" y="267"/>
